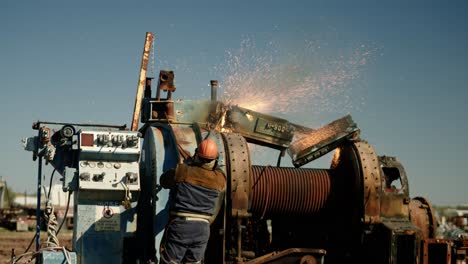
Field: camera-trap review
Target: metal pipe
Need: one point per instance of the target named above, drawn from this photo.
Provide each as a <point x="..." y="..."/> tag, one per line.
<point x="214" y="89"/>
<point x="141" y="80"/>
<point x="239" y="241"/>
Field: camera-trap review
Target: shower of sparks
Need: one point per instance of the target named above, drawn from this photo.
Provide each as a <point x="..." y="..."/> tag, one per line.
<point x="304" y="82"/>
<point x="272" y="81"/>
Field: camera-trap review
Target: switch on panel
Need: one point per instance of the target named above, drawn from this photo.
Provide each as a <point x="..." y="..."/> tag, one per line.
<point x="132" y="177"/>
<point x="132" y="141"/>
<point x="99" y="177"/>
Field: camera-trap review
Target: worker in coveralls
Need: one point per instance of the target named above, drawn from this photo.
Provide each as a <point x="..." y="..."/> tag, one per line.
<point x="194" y="190"/>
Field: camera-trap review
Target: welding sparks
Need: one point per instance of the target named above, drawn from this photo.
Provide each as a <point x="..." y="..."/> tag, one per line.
<point x="258" y="82"/>
<point x="306" y="81"/>
<point x="222" y="124"/>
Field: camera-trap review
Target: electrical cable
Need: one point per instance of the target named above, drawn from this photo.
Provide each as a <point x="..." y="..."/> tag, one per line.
<point x="30" y="244"/>
<point x="27" y="249"/>
<point x="66" y="212"/>
<point x="35" y="235"/>
<point x="51" y="219"/>
<point x="50" y="183"/>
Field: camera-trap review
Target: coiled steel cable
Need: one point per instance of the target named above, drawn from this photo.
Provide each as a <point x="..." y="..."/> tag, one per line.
<point x="278" y="190"/>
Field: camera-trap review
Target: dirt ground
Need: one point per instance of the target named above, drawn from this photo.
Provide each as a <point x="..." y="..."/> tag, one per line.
<point x="19" y="241"/>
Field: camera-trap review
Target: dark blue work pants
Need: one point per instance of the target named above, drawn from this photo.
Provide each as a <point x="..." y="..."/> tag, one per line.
<point x="184" y="241"/>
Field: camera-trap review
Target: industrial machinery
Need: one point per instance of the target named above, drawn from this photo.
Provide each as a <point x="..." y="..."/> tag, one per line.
<point x="357" y="211"/>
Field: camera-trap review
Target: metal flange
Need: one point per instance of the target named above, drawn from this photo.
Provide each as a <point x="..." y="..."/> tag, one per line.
<point x="238" y="173"/>
<point x="372" y="183"/>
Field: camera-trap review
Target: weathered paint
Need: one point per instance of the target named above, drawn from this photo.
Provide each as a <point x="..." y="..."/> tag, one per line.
<point x="141" y="80"/>
<point x="238" y="172"/>
<point x="312" y="144"/>
<point x="423" y="216"/>
<point x="372" y="181"/>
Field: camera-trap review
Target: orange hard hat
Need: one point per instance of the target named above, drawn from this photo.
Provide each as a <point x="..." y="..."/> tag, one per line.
<point x="207" y="149"/>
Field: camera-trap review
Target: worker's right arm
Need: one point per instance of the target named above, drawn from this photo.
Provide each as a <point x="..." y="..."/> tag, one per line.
<point x="167" y="179"/>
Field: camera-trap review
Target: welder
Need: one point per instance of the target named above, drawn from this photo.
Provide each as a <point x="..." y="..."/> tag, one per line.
<point x="195" y="186"/>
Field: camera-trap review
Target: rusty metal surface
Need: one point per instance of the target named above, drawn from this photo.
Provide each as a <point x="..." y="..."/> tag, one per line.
<point x="316" y="143"/>
<point x="259" y="128"/>
<point x="141" y="80"/>
<point x="394" y="206"/>
<point x="393" y="171"/>
<point x="460" y="253"/>
<point x="395" y="191"/>
<point x="287" y="190"/>
<point x="372" y="181"/>
<point x="436" y="251"/>
<point x="238" y="172"/>
<point x="166" y="81"/>
<point x="422" y="215"/>
<point x="400" y="242"/>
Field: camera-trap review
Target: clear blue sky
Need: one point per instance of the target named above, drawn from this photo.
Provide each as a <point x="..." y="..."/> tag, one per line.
<point x="399" y="68"/>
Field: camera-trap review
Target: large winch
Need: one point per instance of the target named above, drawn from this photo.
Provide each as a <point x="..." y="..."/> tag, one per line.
<point x="359" y="210"/>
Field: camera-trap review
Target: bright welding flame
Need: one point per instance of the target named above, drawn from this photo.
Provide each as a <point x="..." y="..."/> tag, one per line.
<point x="222" y="125"/>
<point x="249" y="116"/>
<point x="336" y="158"/>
